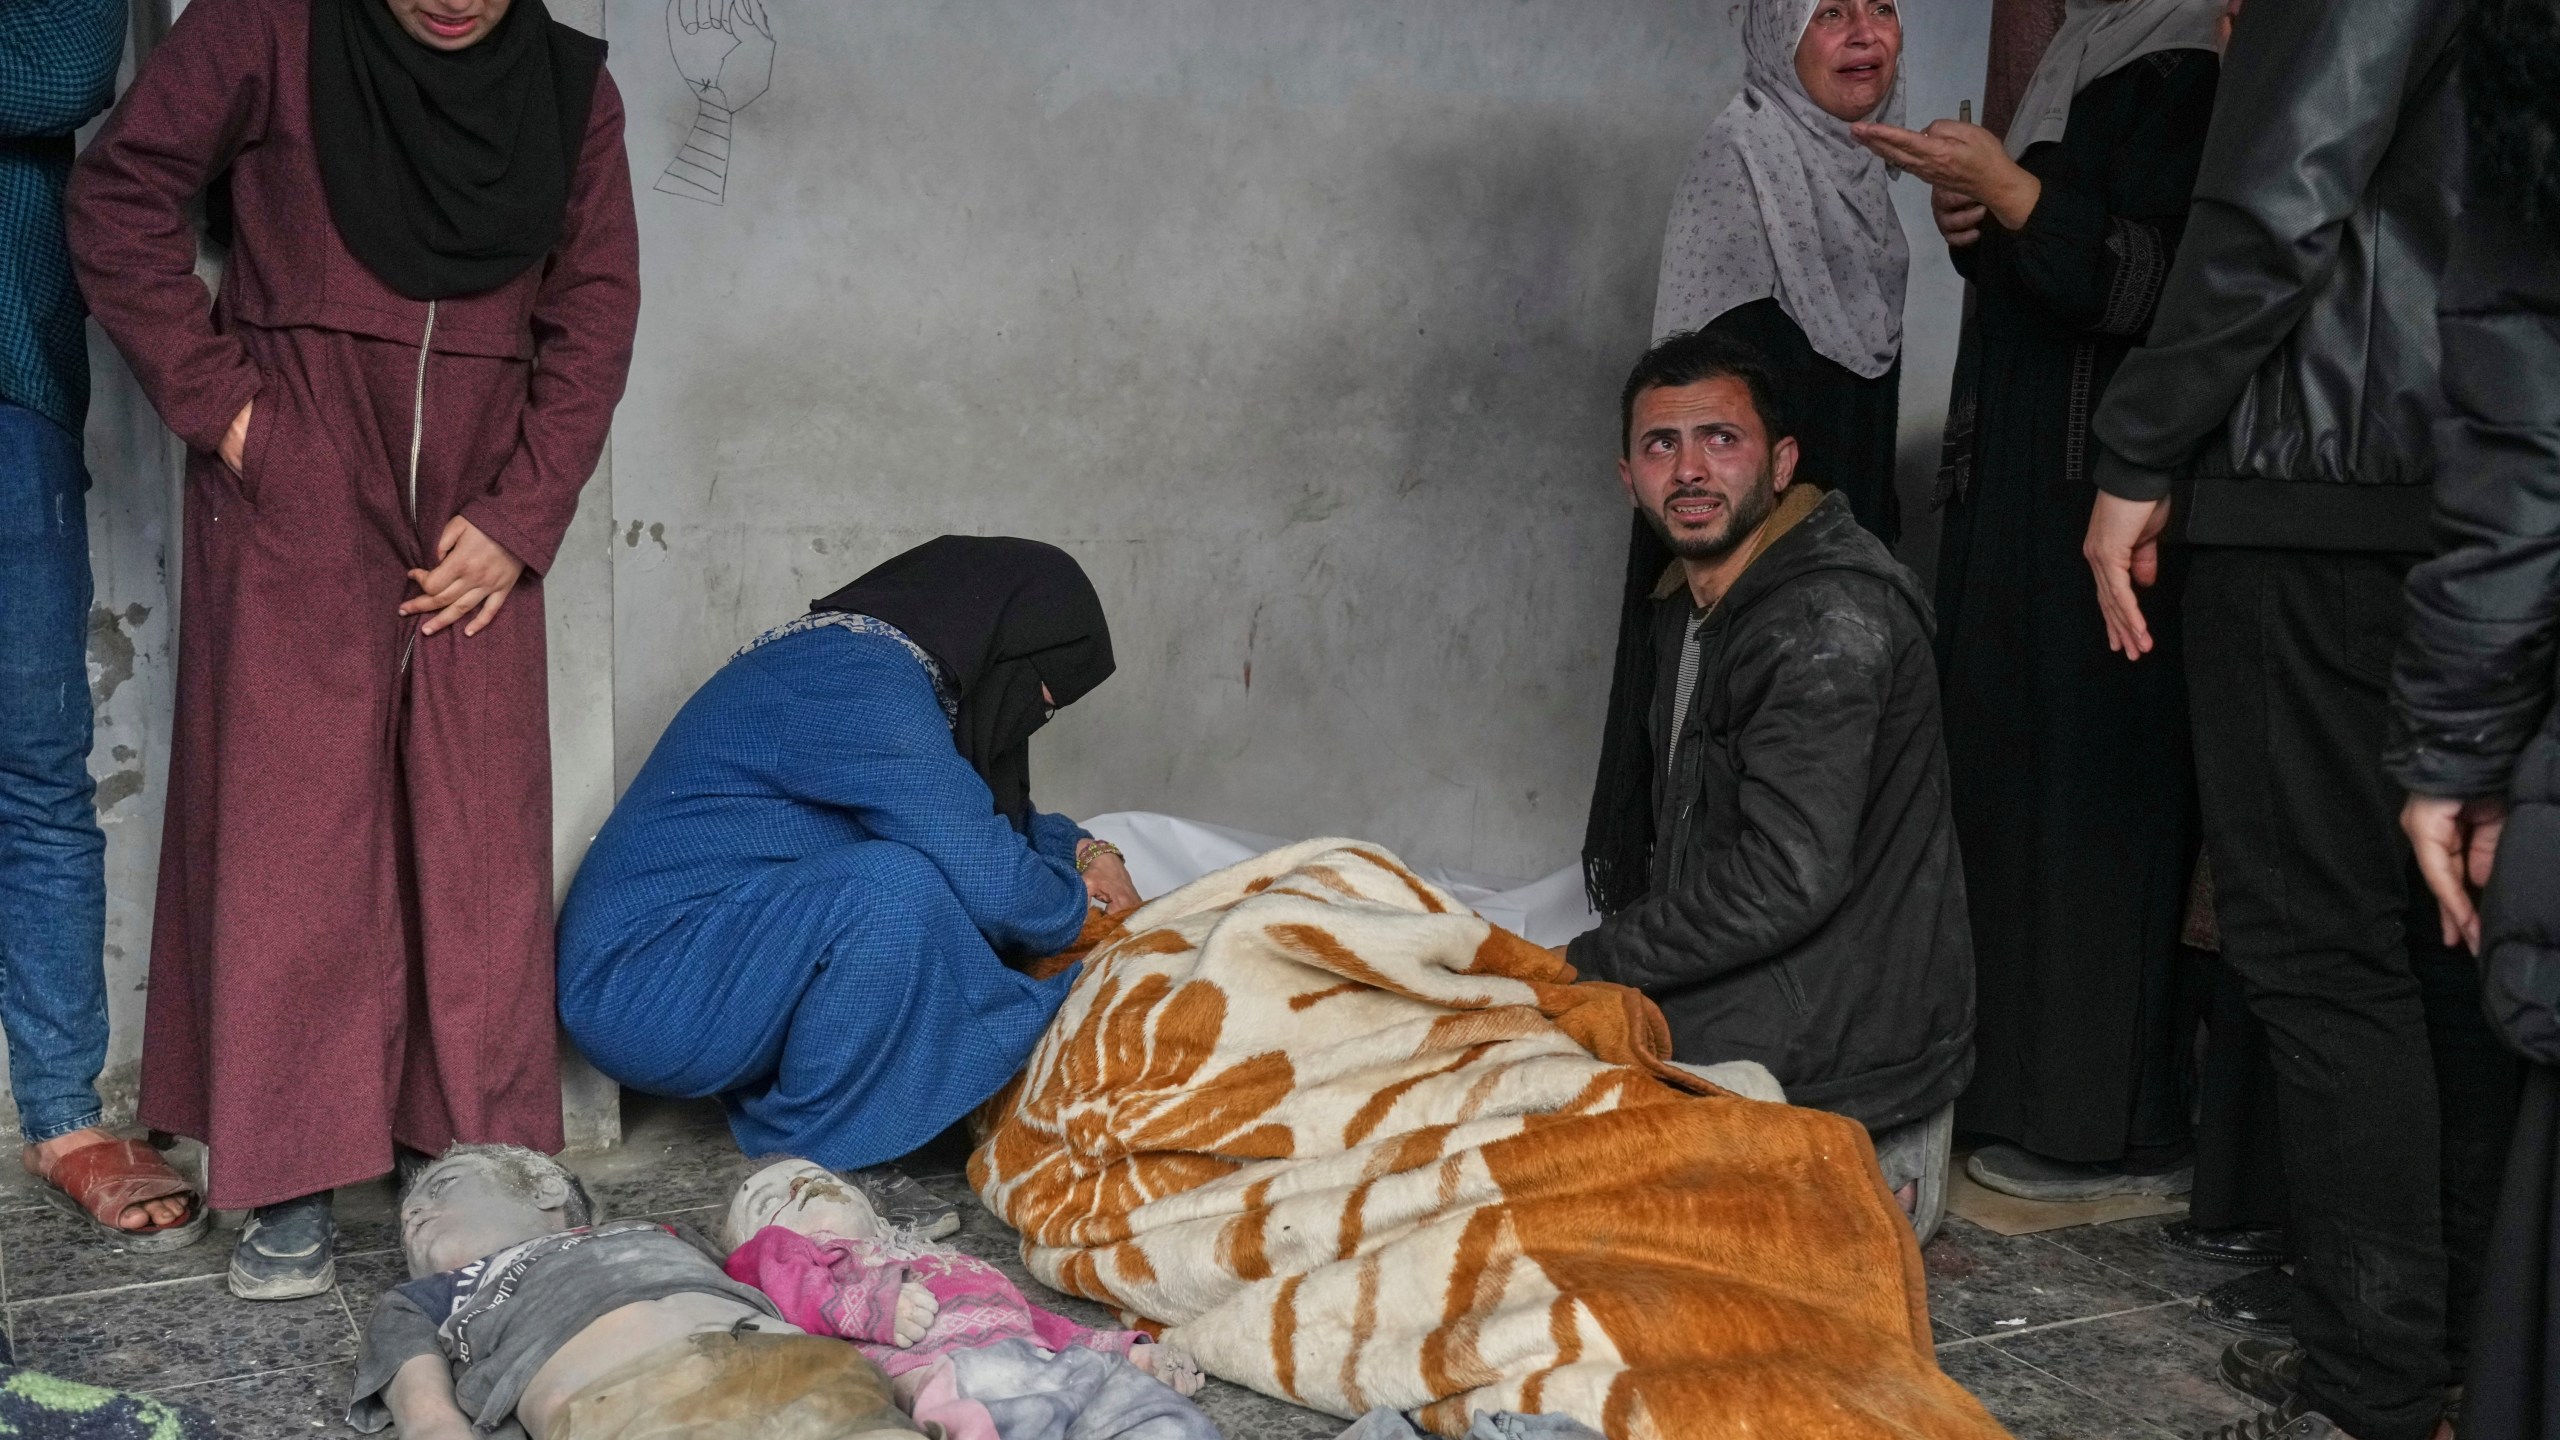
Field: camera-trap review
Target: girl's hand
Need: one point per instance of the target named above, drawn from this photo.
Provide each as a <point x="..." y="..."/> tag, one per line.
<point x="1965" y="158"/>
<point x="234" y="448"/>
<point x="471" y="570"/>
<point x="917" y="1310"/>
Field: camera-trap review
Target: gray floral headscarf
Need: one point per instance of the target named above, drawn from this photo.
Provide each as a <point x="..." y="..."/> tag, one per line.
<point x="1781" y="202"/>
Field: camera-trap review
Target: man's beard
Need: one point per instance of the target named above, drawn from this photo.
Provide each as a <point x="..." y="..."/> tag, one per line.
<point x="1742" y="518"/>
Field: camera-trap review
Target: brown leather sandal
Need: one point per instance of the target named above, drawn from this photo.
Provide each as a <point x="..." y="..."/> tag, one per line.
<point x="97" y="1182"/>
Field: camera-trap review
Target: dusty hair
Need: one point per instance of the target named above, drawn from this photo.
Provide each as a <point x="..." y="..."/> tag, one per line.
<point x="522" y="1171"/>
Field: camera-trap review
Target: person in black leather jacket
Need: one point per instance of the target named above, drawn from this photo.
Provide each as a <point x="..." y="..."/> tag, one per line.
<point x="1805" y="899"/>
<point x="2476" y="731"/>
<point x="2286" y="397"/>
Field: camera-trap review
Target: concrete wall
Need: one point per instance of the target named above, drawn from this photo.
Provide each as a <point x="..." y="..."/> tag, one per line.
<point x="1300" y="324"/>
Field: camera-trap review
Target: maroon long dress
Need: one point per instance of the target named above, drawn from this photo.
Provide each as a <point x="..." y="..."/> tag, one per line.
<point x="353" y="936"/>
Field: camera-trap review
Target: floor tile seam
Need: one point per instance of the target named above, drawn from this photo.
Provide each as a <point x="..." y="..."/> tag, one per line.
<point x="7" y="1298"/>
<point x="1997" y="1337"/>
<point x="2094" y="1398"/>
<point x="263" y="1374"/>
<point x="174" y="1280"/>
<point x="355" y="1331"/>
<point x="2105" y="1264"/>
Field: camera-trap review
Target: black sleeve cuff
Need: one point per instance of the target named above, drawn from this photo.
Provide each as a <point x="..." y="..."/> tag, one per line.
<point x="1582" y="952"/>
<point x="2126" y="480"/>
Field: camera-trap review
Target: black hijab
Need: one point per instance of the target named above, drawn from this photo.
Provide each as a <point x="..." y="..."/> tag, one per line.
<point x="448" y="172"/>
<point x="1617" y="840"/>
<point x="1004" y="616"/>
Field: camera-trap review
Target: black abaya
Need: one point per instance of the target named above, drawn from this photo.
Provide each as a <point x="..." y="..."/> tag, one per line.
<point x="2073" y="783"/>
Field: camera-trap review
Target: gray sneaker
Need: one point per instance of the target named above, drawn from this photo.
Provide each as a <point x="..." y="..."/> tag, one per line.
<point x="1920" y="1154"/>
<point x="2266" y="1370"/>
<point x="285" y="1251"/>
<point x="907" y="1205"/>
<point x="2012" y="1170"/>
<point x="2288" y="1421"/>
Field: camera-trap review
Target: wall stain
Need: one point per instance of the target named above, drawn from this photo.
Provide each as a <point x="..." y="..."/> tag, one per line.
<point x="631" y="537"/>
<point x="658" y="532"/>
<point x="116" y="788"/>
<point x="111" y="649"/>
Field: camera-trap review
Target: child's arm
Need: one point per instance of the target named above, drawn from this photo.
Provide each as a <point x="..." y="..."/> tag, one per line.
<point x="421" y="1397"/>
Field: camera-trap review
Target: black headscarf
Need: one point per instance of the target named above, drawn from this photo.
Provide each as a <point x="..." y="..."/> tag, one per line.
<point x="1004" y="616"/>
<point x="1617" y="841"/>
<point x="448" y="171"/>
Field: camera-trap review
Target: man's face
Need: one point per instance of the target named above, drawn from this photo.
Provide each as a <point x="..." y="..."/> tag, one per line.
<point x="449" y="24"/>
<point x="1701" y="467"/>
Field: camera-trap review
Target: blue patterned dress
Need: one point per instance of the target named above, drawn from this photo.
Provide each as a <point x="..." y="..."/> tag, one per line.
<point x="797" y="906"/>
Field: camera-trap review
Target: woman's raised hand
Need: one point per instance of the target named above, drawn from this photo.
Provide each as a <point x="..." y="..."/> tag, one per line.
<point x="1962" y="157"/>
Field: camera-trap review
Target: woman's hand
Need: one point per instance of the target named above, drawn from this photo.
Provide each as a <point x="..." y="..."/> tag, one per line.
<point x="1954" y="155"/>
<point x="471" y="570"/>
<point x="1107" y="882"/>
<point x="1959" y="216"/>
<point x="234" y="448"/>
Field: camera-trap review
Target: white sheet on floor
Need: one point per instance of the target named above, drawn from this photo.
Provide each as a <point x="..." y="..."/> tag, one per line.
<point x="1166" y="852"/>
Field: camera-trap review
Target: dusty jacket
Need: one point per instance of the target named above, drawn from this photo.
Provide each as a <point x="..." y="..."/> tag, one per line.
<point x="1807" y="908"/>
<point x="2292" y="367"/>
<point x="2478" y="671"/>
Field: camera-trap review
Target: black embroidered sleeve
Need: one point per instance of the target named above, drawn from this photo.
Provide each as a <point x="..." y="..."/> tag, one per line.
<point x="2140" y="268"/>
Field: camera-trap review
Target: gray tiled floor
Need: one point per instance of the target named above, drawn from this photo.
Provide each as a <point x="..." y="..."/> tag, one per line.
<point x="2086" y="1334"/>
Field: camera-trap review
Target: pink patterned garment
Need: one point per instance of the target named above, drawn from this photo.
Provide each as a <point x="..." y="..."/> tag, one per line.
<point x="849" y="1288"/>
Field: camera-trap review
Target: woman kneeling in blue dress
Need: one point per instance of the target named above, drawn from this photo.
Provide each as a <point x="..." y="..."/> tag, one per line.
<point x="802" y="903"/>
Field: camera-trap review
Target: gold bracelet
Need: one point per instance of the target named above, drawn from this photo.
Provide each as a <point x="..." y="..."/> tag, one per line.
<point x="1086" y="852"/>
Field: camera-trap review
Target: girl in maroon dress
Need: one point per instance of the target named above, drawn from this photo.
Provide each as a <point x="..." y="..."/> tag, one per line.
<point x="407" y="376"/>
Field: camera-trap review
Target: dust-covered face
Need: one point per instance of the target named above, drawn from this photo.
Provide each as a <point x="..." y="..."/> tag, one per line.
<point x="449" y="24"/>
<point x="801" y="1197"/>
<point x="464" y="1207"/>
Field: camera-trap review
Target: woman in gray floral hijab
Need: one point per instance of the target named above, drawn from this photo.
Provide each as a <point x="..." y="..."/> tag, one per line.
<point x="1784" y="232"/>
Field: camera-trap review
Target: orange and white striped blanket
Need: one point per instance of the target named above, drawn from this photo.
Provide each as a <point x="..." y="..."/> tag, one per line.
<point x="1352" y="1146"/>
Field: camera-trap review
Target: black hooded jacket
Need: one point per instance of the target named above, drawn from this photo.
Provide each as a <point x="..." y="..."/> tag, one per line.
<point x="1807" y="904"/>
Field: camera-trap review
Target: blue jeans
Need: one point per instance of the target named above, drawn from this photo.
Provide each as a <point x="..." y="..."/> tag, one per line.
<point x="53" y="884"/>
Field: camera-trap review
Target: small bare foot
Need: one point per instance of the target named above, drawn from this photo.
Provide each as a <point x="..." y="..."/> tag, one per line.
<point x="1171" y="1365"/>
<point x="1908" y="1197"/>
<point x="41" y="1158"/>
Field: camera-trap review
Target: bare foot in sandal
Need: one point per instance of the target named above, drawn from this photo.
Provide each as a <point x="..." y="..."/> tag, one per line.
<point x="44" y="1160"/>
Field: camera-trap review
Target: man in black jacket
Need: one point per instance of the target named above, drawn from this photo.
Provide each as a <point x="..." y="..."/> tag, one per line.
<point x="1805" y="902"/>
<point x="2476" y="730"/>
<point x="2289" y="385"/>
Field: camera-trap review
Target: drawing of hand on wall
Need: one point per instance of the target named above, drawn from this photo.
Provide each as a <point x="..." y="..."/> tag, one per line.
<point x="724" y="51"/>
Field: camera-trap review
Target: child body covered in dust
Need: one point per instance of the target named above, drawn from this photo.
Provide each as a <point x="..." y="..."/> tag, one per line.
<point x="989" y="1362"/>
<point x="522" y="1316"/>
